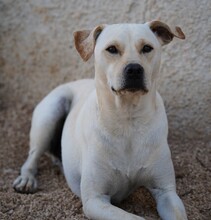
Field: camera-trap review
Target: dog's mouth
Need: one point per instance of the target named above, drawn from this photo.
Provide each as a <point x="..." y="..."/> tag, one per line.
<point x="125" y="90"/>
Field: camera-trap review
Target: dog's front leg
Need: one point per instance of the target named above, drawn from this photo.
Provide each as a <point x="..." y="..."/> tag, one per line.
<point x="95" y="199"/>
<point x="169" y="205"/>
<point x="100" y="208"/>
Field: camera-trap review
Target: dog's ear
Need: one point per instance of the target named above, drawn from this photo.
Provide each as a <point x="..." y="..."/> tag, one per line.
<point x="85" y="41"/>
<point x="165" y="33"/>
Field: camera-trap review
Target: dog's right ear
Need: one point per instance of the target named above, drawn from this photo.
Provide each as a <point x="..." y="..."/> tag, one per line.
<point x="85" y="41"/>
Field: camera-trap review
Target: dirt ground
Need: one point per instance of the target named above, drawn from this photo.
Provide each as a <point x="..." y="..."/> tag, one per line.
<point x="54" y="200"/>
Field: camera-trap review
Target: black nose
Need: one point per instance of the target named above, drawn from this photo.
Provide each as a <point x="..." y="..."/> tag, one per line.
<point x="133" y="71"/>
<point x="134" y="78"/>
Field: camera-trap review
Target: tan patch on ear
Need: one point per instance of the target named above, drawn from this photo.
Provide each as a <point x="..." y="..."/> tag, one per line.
<point x="80" y="43"/>
<point x="85" y="41"/>
<point x="165" y="32"/>
<point x="179" y="32"/>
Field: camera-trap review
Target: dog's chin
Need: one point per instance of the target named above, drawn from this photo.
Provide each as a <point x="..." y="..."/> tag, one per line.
<point x="129" y="91"/>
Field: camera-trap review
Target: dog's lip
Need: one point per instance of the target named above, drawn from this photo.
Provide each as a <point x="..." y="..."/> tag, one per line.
<point x="130" y="90"/>
<point x="114" y="90"/>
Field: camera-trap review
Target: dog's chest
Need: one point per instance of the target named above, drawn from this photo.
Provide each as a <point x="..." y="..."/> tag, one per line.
<point x="127" y="169"/>
<point x="128" y="158"/>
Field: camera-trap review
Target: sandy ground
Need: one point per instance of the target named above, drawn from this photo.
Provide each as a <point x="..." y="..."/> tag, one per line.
<point x="54" y="200"/>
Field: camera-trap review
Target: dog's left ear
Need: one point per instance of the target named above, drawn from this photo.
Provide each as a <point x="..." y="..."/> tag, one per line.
<point x="85" y="41"/>
<point x="165" y="33"/>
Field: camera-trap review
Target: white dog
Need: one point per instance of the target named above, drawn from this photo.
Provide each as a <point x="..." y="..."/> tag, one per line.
<point x="113" y="129"/>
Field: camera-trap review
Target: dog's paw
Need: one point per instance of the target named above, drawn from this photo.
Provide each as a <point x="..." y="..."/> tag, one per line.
<point x="25" y="184"/>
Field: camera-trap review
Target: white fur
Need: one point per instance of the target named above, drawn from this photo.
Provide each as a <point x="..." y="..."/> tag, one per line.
<point x="112" y="143"/>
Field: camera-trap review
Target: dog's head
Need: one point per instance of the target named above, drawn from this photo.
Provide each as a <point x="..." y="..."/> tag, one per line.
<point x="127" y="56"/>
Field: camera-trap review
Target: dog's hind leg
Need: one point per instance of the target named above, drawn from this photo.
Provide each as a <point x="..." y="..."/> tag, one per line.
<point x="45" y="135"/>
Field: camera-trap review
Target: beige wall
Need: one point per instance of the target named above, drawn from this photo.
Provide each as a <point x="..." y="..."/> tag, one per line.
<point x="37" y="53"/>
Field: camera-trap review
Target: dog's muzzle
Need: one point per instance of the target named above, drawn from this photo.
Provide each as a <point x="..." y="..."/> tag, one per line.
<point x="134" y="78"/>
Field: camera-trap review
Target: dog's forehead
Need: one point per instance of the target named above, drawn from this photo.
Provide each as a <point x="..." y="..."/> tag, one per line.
<point x="124" y="33"/>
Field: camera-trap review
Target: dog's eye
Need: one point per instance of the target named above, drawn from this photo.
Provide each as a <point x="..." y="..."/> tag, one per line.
<point x="147" y="49"/>
<point x="112" y="49"/>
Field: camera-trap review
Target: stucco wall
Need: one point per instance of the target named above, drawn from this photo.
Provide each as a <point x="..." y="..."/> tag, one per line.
<point x="37" y="52"/>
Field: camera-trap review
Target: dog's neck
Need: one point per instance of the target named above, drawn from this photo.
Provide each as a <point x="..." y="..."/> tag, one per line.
<point x="130" y="107"/>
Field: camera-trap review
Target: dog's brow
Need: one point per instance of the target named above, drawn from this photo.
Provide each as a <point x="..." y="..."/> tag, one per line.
<point x="142" y="42"/>
<point x="114" y="43"/>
